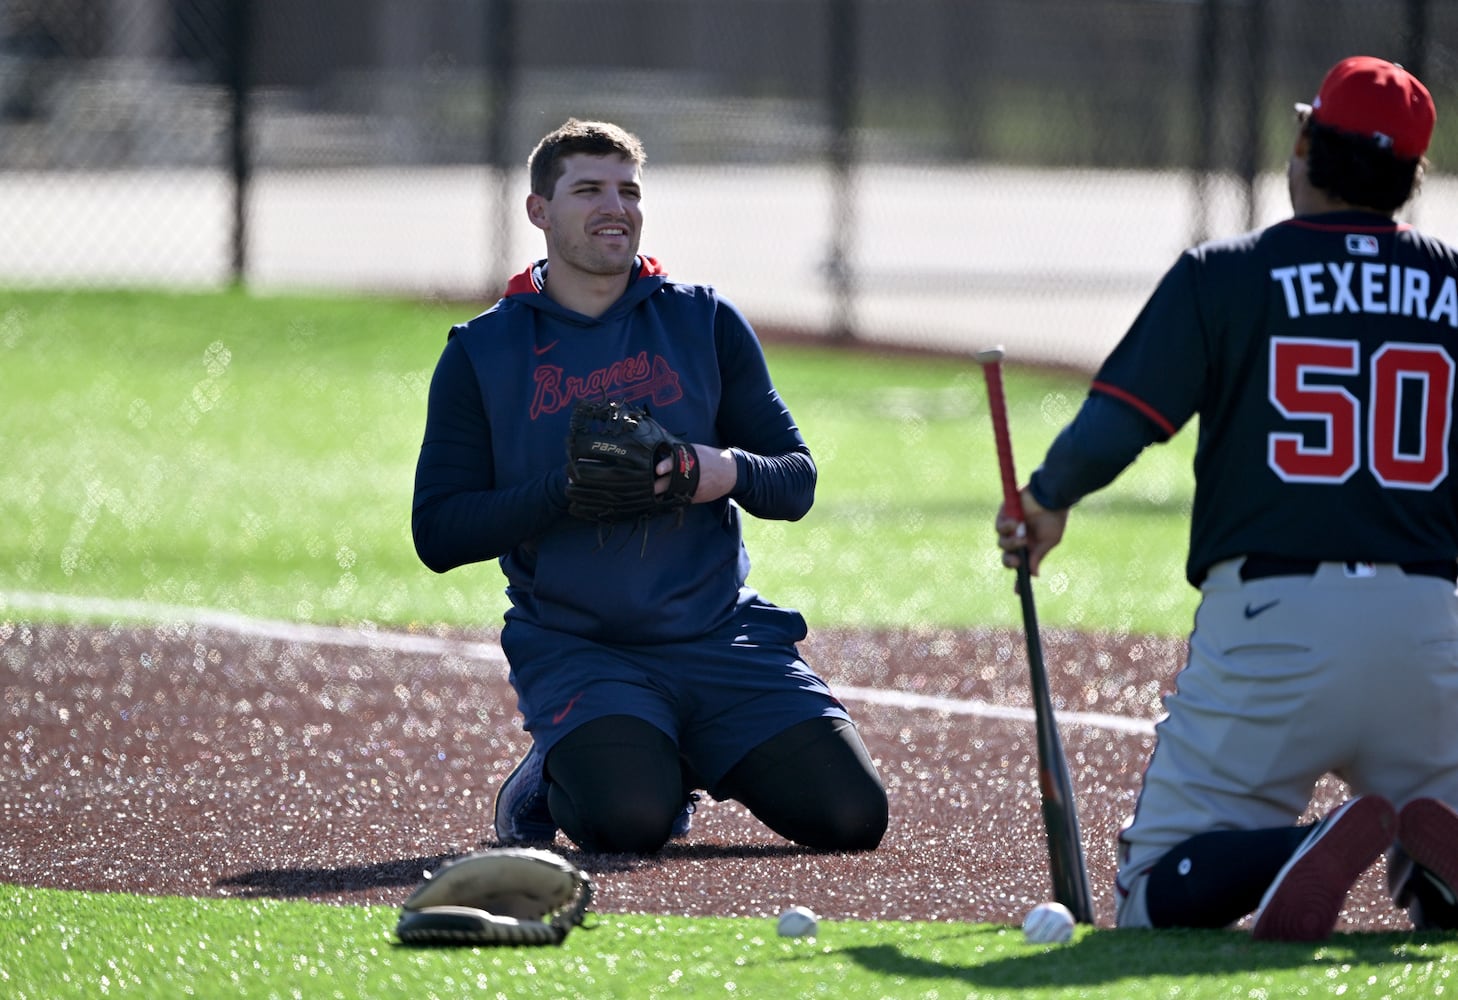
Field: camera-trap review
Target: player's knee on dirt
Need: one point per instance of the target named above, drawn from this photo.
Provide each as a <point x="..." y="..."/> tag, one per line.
<point x="849" y="823"/>
<point x="813" y="784"/>
<point x="1213" y="879"/>
<point x="617" y="824"/>
<point x="616" y="786"/>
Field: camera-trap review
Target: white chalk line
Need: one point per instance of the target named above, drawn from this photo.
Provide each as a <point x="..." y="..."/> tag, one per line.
<point x="987" y="710"/>
<point x="360" y="637"/>
<point x="368" y="637"/>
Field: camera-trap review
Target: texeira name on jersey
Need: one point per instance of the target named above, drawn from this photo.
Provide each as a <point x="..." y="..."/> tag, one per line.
<point x="1327" y="287"/>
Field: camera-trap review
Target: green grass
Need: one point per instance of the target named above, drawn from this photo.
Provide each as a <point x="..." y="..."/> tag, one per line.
<point x="92" y="945"/>
<point x="257" y="455"/>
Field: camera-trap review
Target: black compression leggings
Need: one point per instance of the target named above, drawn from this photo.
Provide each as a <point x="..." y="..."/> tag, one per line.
<point x="617" y="784"/>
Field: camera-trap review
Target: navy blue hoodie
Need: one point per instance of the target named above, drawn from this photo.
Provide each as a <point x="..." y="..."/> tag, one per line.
<point x="491" y="478"/>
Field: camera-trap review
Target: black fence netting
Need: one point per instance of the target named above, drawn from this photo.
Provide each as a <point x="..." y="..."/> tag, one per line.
<point x="930" y="172"/>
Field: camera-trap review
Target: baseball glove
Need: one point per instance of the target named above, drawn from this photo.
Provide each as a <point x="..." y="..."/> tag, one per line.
<point x="507" y="895"/>
<point x="612" y="452"/>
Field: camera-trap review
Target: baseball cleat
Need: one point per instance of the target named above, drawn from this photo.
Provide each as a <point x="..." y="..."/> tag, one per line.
<point x="685" y="819"/>
<point x="522" y="814"/>
<point x="1427" y="831"/>
<point x="1305" y="898"/>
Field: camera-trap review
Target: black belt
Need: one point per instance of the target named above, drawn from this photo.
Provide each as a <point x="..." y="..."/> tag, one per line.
<point x="1259" y="567"/>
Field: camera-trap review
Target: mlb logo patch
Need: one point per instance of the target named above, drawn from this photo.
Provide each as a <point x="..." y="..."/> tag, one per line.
<point x="1361" y="245"/>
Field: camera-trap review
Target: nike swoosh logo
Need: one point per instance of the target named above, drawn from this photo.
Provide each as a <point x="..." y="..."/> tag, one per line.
<point x="557" y="719"/>
<point x="544" y="350"/>
<point x="1251" y="610"/>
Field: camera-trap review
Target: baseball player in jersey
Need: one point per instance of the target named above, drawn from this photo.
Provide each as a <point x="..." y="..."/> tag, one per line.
<point x="644" y="665"/>
<point x="1319" y="355"/>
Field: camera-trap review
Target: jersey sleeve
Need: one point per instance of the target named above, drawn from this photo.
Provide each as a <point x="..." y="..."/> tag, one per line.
<point x="459" y="516"/>
<point x="777" y="474"/>
<point x="1102" y="441"/>
<point x="1145" y="391"/>
<point x="1161" y="366"/>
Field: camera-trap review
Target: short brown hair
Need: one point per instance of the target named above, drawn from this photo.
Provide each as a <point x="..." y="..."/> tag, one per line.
<point x="573" y="136"/>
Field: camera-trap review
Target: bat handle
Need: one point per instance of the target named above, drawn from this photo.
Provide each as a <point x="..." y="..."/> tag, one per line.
<point x="997" y="404"/>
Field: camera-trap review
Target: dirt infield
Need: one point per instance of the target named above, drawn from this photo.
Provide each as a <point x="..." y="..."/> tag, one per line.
<point x="190" y="759"/>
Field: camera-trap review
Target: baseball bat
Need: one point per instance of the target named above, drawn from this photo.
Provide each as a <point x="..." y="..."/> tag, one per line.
<point x="1060" y="815"/>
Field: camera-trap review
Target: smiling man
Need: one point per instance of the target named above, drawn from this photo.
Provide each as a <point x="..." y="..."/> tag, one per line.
<point x="644" y="665"/>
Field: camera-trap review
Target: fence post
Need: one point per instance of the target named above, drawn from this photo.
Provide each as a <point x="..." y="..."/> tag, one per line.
<point x="1415" y="48"/>
<point x="1252" y="147"/>
<point x="239" y="42"/>
<point x="1415" y="43"/>
<point x="501" y="54"/>
<point x="844" y="68"/>
<point x="1204" y="101"/>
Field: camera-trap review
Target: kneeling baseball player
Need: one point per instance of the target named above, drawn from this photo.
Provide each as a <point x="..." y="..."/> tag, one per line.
<point x="600" y="431"/>
<point x="1319" y="355"/>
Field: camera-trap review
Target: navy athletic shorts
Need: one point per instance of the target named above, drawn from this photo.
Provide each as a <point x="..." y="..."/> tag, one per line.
<point x="717" y="697"/>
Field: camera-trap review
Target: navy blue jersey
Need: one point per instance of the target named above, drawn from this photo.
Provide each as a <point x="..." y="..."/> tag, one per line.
<point x="1319" y="355"/>
<point x="491" y="478"/>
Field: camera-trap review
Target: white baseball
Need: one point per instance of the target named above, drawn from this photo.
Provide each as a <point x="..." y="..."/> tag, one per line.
<point x="1048" y="923"/>
<point x="798" y="921"/>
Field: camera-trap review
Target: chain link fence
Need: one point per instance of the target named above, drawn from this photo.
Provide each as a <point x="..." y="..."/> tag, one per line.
<point x="932" y="173"/>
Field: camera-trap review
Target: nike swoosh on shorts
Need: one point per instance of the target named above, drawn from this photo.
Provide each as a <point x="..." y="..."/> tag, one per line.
<point x="557" y="719"/>
<point x="1251" y="610"/>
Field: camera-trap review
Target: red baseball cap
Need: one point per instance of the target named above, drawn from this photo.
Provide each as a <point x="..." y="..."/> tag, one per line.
<point x="1377" y="100"/>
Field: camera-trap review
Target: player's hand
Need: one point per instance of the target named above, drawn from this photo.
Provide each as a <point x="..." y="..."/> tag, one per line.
<point x="718" y="473"/>
<point x="1039" y="531"/>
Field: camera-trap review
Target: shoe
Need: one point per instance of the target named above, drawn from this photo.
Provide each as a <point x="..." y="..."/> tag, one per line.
<point x="685" y="819"/>
<point x="1305" y="898"/>
<point x="1427" y="831"/>
<point x="522" y="814"/>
